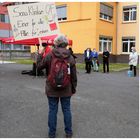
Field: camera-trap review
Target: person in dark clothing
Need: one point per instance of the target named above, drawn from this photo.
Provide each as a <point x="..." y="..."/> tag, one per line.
<point x="71" y="51"/>
<point x="64" y="95"/>
<point x="106" y="55"/>
<point x="34" y="71"/>
<point x="88" y="60"/>
<point x="46" y="50"/>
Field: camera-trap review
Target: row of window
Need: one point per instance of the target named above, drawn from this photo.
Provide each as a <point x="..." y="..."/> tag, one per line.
<point x="129" y="13"/>
<point x="106" y="13"/>
<point x="127" y="44"/>
<point x="14" y="47"/>
<point x="104" y="42"/>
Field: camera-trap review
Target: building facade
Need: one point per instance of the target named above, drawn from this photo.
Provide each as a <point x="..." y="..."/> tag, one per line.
<point x="100" y="25"/>
<point x="127" y="28"/>
<point x="114" y="25"/>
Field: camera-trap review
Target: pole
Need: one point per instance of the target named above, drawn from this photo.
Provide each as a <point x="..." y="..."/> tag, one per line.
<point x="2" y="53"/>
<point x="40" y="42"/>
<point x="36" y="61"/>
<point x="10" y="53"/>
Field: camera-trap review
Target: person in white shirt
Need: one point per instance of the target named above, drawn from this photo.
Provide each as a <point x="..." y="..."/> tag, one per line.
<point x="133" y="60"/>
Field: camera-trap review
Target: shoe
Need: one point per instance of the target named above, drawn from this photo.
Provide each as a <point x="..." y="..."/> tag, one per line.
<point x="51" y="136"/>
<point x="68" y="135"/>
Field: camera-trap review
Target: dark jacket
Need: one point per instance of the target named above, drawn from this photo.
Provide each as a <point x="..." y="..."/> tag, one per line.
<point x="106" y="55"/>
<point x="87" y="59"/>
<point x="71" y="52"/>
<point x="46" y="63"/>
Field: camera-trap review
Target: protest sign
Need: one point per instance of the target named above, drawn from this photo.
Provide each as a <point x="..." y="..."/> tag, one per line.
<point x="33" y="20"/>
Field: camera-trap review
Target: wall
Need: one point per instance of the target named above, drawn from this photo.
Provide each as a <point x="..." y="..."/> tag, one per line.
<point x="80" y="25"/>
<point x="106" y="28"/>
<point x="127" y="29"/>
<point x="4" y="26"/>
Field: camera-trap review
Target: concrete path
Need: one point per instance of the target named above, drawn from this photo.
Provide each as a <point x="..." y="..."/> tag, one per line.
<point x="5" y="62"/>
<point x="105" y="105"/>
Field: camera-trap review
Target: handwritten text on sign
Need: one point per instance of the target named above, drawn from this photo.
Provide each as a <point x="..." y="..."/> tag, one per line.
<point x="33" y="20"/>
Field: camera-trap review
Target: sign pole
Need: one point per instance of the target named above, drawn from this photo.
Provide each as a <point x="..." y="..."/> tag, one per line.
<point x="40" y="44"/>
<point x="3" y="54"/>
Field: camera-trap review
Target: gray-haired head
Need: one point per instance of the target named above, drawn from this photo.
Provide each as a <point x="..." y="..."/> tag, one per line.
<point x="61" y="41"/>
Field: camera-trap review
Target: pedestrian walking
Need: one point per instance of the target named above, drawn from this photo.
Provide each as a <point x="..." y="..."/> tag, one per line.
<point x="61" y="84"/>
<point x="95" y="60"/>
<point x="88" y="60"/>
<point x="106" y="55"/>
<point x="133" y="60"/>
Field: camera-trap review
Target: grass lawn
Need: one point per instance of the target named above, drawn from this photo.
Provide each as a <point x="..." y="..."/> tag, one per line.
<point x="23" y="61"/>
<point x="112" y="66"/>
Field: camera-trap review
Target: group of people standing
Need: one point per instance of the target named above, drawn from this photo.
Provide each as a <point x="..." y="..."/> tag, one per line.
<point x="92" y="61"/>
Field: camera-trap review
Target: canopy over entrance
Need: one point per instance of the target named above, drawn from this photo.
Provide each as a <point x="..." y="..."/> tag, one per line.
<point x="34" y="41"/>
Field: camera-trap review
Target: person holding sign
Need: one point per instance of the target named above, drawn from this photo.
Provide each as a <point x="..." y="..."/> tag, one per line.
<point x="46" y="51"/>
<point x="60" y="84"/>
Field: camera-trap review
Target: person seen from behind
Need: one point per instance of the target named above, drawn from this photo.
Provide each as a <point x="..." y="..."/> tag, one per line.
<point x="61" y="84"/>
<point x="133" y="60"/>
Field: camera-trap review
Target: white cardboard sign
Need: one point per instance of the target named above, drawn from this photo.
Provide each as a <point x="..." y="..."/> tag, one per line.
<point x="33" y="20"/>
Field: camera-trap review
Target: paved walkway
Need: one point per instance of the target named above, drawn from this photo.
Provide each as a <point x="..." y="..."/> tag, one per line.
<point x="105" y="105"/>
<point x="5" y="62"/>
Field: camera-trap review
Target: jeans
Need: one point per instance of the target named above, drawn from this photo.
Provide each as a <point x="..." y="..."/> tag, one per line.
<point x="95" y="65"/>
<point x="52" y="116"/>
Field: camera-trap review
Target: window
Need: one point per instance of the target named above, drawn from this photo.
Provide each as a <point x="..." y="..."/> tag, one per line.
<point x="61" y="12"/>
<point x="2" y="18"/>
<point x="106" y="12"/>
<point x="129" y="13"/>
<point x="27" y="48"/>
<point x="127" y="44"/>
<point x="105" y="42"/>
<point x="17" y="47"/>
<point x="7" y="47"/>
<point x="7" y="20"/>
